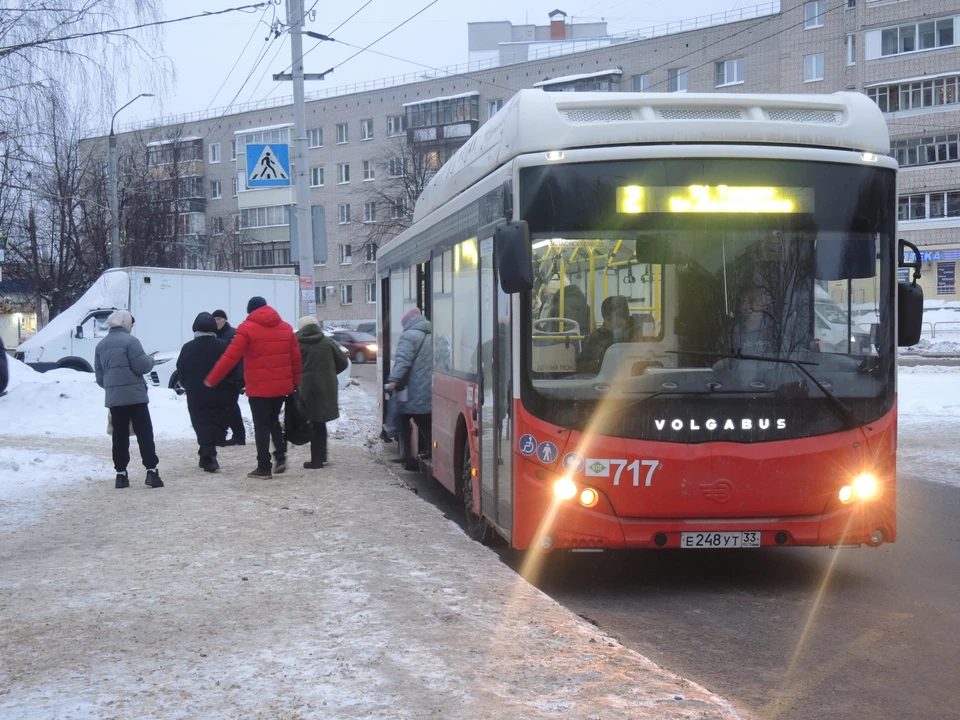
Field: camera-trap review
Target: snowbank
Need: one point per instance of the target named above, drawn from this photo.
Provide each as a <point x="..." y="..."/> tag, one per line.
<point x="28" y="477"/>
<point x="67" y="403"/>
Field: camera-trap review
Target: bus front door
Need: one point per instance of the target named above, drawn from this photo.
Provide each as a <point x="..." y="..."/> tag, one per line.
<point x="496" y="394"/>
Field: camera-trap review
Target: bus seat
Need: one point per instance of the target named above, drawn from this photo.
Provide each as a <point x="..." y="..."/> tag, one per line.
<point x="556" y="350"/>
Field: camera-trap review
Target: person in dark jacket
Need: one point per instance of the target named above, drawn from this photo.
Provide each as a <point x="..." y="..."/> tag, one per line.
<point x="4" y="373"/>
<point x="233" y="417"/>
<point x="618" y="326"/>
<point x="120" y="364"/>
<point x="272" y="367"/>
<point x="208" y="407"/>
<point x="322" y="362"/>
<point x="575" y="307"/>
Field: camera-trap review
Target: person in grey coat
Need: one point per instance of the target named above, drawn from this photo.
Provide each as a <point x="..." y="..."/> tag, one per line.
<point x="120" y="364"/>
<point x="412" y="379"/>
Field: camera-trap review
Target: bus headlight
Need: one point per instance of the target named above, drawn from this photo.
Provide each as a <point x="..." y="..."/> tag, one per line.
<point x="565" y="488"/>
<point x="589" y="497"/>
<point x="866" y="486"/>
<point x="846" y="494"/>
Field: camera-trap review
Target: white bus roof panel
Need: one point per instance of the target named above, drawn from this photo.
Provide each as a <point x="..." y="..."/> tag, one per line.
<point x="538" y="121"/>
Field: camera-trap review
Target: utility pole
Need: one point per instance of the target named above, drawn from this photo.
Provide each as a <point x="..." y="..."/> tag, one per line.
<point x="114" y="181"/>
<point x="300" y="169"/>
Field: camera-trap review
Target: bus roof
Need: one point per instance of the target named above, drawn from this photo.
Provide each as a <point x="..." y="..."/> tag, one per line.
<point x="538" y="121"/>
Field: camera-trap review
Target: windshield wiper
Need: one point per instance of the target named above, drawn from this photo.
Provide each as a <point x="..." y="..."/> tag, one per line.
<point x="842" y="411"/>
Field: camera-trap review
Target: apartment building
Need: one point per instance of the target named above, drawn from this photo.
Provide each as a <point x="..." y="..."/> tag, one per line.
<point x="373" y="146"/>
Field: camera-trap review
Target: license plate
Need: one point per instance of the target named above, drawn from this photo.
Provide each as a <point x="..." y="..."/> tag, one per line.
<point x="698" y="540"/>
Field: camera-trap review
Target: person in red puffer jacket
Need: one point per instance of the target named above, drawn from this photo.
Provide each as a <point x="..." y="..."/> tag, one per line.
<point x="271" y="370"/>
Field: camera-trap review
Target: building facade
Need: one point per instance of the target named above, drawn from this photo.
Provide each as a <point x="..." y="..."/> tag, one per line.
<point x="372" y="150"/>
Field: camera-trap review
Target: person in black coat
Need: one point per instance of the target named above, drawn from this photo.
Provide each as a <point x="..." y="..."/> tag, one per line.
<point x="208" y="406"/>
<point x="4" y="373"/>
<point x="233" y="418"/>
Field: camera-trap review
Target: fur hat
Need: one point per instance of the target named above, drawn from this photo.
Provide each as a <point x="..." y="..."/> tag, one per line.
<point x="256" y="302"/>
<point x="410" y="315"/>
<point x="307" y="320"/>
<point x="205" y="323"/>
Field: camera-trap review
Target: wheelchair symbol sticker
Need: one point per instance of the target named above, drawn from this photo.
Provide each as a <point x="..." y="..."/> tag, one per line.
<point x="573" y="462"/>
<point x="528" y="445"/>
<point x="547" y="452"/>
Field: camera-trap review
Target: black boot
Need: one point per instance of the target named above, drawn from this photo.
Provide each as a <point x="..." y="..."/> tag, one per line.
<point x="209" y="464"/>
<point x="317" y="454"/>
<point x="122" y="480"/>
<point x="153" y="479"/>
<point x="260" y="473"/>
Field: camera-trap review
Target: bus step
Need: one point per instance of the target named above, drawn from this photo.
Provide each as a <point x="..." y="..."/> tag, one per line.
<point x="426" y="466"/>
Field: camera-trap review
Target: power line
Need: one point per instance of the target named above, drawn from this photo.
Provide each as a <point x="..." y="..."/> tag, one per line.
<point x="239" y="58"/>
<point x="10" y="49"/>
<point x="332" y="32"/>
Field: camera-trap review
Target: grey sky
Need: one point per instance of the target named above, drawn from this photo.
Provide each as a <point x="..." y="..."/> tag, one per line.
<point x="204" y="51"/>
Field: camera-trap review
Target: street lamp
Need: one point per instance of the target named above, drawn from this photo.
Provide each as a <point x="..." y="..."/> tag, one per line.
<point x="114" y="180"/>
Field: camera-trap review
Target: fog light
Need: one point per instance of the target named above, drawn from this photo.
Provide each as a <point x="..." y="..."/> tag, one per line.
<point x="547" y="542"/>
<point x="589" y="497"/>
<point x="565" y="488"/>
<point x="846" y="494"/>
<point x="866" y="486"/>
<point x="877" y="537"/>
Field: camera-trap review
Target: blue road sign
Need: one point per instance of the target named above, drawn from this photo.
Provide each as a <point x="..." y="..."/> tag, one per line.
<point x="268" y="165"/>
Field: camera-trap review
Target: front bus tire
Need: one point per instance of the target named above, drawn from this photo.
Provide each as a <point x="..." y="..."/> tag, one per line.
<point x="477" y="528"/>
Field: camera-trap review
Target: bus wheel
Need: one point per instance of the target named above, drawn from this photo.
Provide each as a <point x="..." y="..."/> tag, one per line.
<point x="477" y="527"/>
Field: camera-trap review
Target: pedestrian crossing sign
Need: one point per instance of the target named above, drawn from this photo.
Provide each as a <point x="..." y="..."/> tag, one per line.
<point x="268" y="165"/>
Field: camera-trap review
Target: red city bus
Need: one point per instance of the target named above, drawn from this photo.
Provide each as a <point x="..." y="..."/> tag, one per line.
<point x="663" y="321"/>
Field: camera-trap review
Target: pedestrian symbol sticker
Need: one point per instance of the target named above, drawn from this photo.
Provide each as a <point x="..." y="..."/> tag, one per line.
<point x="268" y="165"/>
<point x="528" y="445"/>
<point x="573" y="462"/>
<point x="547" y="452"/>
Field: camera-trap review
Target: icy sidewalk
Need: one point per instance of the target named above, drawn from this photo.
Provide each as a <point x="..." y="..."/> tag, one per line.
<point x="319" y="594"/>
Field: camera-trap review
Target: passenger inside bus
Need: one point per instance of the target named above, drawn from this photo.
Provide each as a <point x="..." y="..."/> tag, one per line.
<point x="618" y="326"/>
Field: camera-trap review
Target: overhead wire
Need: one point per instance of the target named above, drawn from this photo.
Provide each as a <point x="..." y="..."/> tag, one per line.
<point x="239" y="58"/>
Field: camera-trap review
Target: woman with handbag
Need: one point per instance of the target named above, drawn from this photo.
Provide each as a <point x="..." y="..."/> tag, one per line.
<point x="322" y="362"/>
<point x="412" y="375"/>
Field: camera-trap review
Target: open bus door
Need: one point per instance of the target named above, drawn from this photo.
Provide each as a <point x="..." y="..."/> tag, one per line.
<point x="496" y="394"/>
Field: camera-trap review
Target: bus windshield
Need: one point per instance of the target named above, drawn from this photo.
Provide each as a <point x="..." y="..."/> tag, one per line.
<point x="690" y="301"/>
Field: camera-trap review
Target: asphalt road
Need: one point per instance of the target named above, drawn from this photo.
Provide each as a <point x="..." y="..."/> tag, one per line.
<point x="798" y="634"/>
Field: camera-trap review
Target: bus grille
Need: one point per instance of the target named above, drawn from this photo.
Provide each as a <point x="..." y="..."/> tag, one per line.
<point x="669" y="113"/>
<point x="820" y="117"/>
<point x="597" y="115"/>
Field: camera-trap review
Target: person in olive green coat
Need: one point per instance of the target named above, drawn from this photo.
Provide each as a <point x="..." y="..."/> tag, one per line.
<point x="322" y="362"/>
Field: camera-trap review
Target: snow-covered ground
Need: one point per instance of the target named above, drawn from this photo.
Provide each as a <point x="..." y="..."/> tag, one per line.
<point x="941" y="327"/>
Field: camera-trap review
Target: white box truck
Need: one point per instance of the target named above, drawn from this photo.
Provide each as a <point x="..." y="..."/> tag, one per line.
<point x="164" y="303"/>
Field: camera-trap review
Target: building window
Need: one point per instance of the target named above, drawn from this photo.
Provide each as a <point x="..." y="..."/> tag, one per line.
<point x="346" y="254"/>
<point x="346" y="294"/>
<point x="273" y="216"/>
<point x="174" y="151"/>
<point x="320" y="294"/>
<point x="813" y="67"/>
<point x="368" y="170"/>
<point x="315" y="137"/>
<point x="915" y="95"/>
<point x="217" y="225"/>
<point x="342" y="133"/>
<point x="444" y="112"/>
<point x="344" y="213"/>
<point x="371" y="292"/>
<point x="366" y="129"/>
<point x="370" y="212"/>
<point x="398" y="210"/>
<point x="214" y="151"/>
<point x="236" y="186"/>
<point x="730" y="72"/>
<point x="911" y="37"/>
<point x="641" y="83"/>
<point x="851" y="4"/>
<point x="396" y="125"/>
<point x="263" y="255"/>
<point x="813" y="13"/>
<point x="233" y="150"/>
<point x="343" y="173"/>
<point x="278" y="135"/>
<point x="927" y="150"/>
<point x="397" y="167"/>
<point x="677" y="80"/>
<point x="316" y="177"/>
<point x="493" y="107"/>
<point x="851" y="49"/>
<point x="216" y="190"/>
<point x="370" y="253"/>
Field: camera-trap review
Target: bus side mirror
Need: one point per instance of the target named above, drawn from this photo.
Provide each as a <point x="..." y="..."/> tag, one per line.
<point x="79" y="334"/>
<point x="909" y="300"/>
<point x="511" y="242"/>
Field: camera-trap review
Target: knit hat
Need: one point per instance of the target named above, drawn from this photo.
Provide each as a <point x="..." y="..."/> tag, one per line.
<point x="411" y="313"/>
<point x="121" y="319"/>
<point x="219" y="314"/>
<point x="256" y="302"/>
<point x="205" y="323"/>
<point x="307" y="320"/>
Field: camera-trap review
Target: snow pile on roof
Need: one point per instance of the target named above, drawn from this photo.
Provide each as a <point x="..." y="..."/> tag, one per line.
<point x="28" y="477"/>
<point x="581" y="76"/>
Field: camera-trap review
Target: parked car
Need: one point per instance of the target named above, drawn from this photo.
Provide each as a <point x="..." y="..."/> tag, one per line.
<point x="361" y="346"/>
<point x="367" y="327"/>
